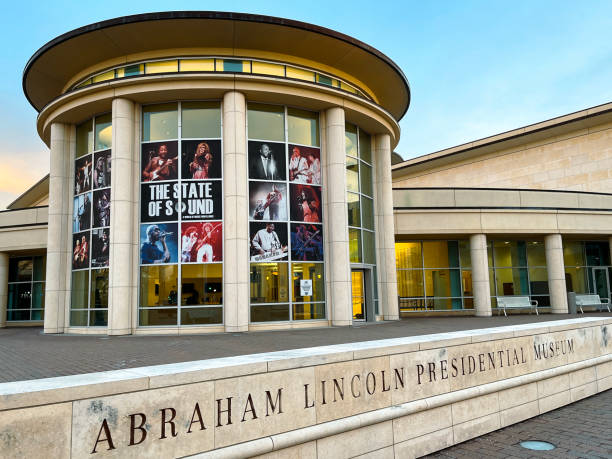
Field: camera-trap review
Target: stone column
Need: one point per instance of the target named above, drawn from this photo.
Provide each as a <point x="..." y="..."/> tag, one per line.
<point x="58" y="231"/>
<point x="556" y="273"/>
<point x="480" y="275"/>
<point x="123" y="160"/>
<point x="385" y="228"/>
<point x="4" y="269"/>
<point x="337" y="255"/>
<point x="235" y="214"/>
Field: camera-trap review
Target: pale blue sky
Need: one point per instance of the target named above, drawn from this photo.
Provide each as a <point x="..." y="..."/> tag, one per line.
<point x="476" y="68"/>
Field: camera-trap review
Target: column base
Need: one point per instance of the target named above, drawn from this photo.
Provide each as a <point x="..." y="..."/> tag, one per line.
<point x="120" y="332"/>
<point x="393" y="317"/>
<point x="342" y="323"/>
<point x="236" y="329"/>
<point x="483" y="314"/>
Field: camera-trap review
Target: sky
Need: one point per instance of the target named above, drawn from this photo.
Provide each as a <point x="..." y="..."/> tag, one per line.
<point x="476" y="68"/>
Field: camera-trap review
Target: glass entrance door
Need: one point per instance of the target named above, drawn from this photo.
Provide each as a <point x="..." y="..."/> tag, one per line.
<point x="359" y="294"/>
<point x="601" y="282"/>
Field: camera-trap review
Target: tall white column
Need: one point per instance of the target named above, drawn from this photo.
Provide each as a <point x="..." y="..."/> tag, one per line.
<point x="58" y="229"/>
<point x="235" y="214"/>
<point x="480" y="275"/>
<point x="4" y="269"/>
<point x="385" y="228"/>
<point x="123" y="161"/>
<point x="337" y="225"/>
<point x="556" y="273"/>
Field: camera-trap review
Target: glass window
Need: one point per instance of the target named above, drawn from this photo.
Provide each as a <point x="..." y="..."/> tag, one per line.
<point x="369" y="247"/>
<point x="266" y="122"/>
<point x="464" y="254"/>
<point x="352" y="174"/>
<point x="201" y="284"/>
<point x="597" y="253"/>
<point x="309" y="272"/>
<point x="80" y="290"/>
<point x="38" y="295"/>
<point x="197" y="65"/>
<point x="466" y="283"/>
<point x="201" y="316"/>
<point x="161" y="316"/>
<point x="78" y="318"/>
<point x="354" y="216"/>
<point x="438" y="283"/>
<point x="104" y="132"/>
<point x="410" y="283"/>
<point x="308" y="311"/>
<point x="408" y="255"/>
<point x="573" y="253"/>
<point x="536" y="254"/>
<point x="110" y="75"/>
<point x="576" y="279"/>
<point x="367" y="213"/>
<point x="511" y="281"/>
<point x="365" y="146"/>
<point x="19" y="296"/>
<point x="200" y="120"/>
<point x="350" y="140"/>
<point x="366" y="179"/>
<point x="99" y="288"/>
<point x="270" y="313"/>
<point x="159" y="122"/>
<point x="303" y="127"/>
<point x="231" y="65"/>
<point x="20" y="269"/>
<point x="509" y="253"/>
<point x="265" y="68"/>
<point x="84" y="139"/>
<point x="40" y="268"/>
<point x="355" y="245"/>
<point x="158" y="286"/>
<point x="162" y="67"/>
<point x="269" y="283"/>
<point x="300" y="74"/>
<point x="436" y="254"/>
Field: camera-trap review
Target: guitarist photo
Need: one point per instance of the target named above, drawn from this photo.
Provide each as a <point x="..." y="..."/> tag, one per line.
<point x="160" y="166"/>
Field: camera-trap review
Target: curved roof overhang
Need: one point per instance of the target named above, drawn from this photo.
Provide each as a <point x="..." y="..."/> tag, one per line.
<point x="53" y="66"/>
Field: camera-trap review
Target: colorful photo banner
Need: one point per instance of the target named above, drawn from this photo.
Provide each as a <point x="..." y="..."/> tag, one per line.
<point x="158" y="243"/>
<point x="306" y="242"/>
<point x="267" y="160"/>
<point x="268" y="241"/>
<point x="306" y="203"/>
<point x="201" y="242"/>
<point x="304" y="165"/>
<point x="159" y="161"/>
<point x="201" y="159"/>
<point x="267" y="201"/>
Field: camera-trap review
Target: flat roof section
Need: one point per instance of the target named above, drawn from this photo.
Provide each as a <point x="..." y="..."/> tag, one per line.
<point x="54" y="64"/>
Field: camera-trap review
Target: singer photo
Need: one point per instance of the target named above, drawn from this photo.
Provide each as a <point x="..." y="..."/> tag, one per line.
<point x="158" y="244"/>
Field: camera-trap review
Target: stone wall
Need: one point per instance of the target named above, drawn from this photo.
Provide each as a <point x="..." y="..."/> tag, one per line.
<point x="400" y="397"/>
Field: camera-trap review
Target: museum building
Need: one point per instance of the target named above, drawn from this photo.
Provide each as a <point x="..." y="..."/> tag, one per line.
<point x="219" y="172"/>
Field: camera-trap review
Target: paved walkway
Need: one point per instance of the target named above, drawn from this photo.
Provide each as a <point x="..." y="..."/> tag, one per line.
<point x="580" y="430"/>
<point x="27" y="353"/>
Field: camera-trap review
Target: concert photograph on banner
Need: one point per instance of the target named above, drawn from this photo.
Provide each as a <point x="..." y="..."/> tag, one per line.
<point x="100" y="247"/>
<point x="102" y="169"/>
<point x="101" y="208"/>
<point x="82" y="174"/>
<point x="268" y="201"/>
<point x="304" y="165"/>
<point x="267" y="160"/>
<point x="159" y="201"/>
<point x="158" y="243"/>
<point x="81" y="213"/>
<point x="306" y="203"/>
<point x="80" y="250"/>
<point x="201" y="159"/>
<point x="201" y="242"/>
<point x="159" y="161"/>
<point x="306" y="242"/>
<point x="202" y="200"/>
<point x="268" y="241"/>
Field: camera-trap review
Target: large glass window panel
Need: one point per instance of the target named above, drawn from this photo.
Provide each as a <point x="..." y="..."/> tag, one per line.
<point x="354" y="214"/>
<point x="159" y="122"/>
<point x="201" y="316"/>
<point x="110" y="75"/>
<point x="19" y="296"/>
<point x="266" y="122"/>
<point x="308" y="311"/>
<point x="511" y="281"/>
<point x="365" y="146"/>
<point x="435" y="254"/>
<point x="453" y="254"/>
<point x="99" y="288"/>
<point x="597" y="253"/>
<point x="410" y="283"/>
<point x="369" y="248"/>
<point x="303" y="127"/>
<point x="20" y="269"/>
<point x="161" y="316"/>
<point x="40" y="268"/>
<point x="269" y="283"/>
<point x="200" y="120"/>
<point x="573" y="253"/>
<point x="299" y="74"/>
<point x="492" y="282"/>
<point x="158" y="285"/>
<point x="84" y="139"/>
<point x="197" y="65"/>
<point x="201" y="284"/>
<point x="352" y="174"/>
<point x="161" y="67"/>
<point x="350" y="140"/>
<point x="98" y="317"/>
<point x="103" y="132"/>
<point x="78" y="318"/>
<point x="270" y="313"/>
<point x="536" y="254"/>
<point x="80" y="290"/>
<point x="355" y="245"/>
<point x="367" y="213"/>
<point x="465" y="256"/>
<point x="265" y="68"/>
<point x="38" y="295"/>
<point x="509" y="253"/>
<point x="438" y="282"/>
<point x="366" y="179"/>
<point x="576" y="279"/>
<point x="466" y="282"/>
<point x="408" y="255"/>
<point x="307" y="272"/>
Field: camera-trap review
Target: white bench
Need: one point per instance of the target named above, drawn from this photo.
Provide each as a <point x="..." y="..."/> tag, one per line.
<point x="516" y="302"/>
<point x="592" y="300"/>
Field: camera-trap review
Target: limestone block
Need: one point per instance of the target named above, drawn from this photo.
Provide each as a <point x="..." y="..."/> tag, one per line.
<point x="132" y="425"/>
<point x="519" y="413"/>
<point x="262" y="405"/>
<point x="422" y="423"/>
<point x="383" y="453"/>
<point x="518" y="395"/>
<point x="554" y="401"/>
<point x="421" y="446"/>
<point x="476" y="427"/>
<point x="303" y="451"/>
<point x="356" y="442"/>
<point x="476" y="407"/>
<point x="604" y="370"/>
<point x="581" y="377"/>
<point x="604" y="384"/>
<point x="348" y="388"/>
<point x="42" y="431"/>
<point x="584" y="391"/>
<point x="553" y="385"/>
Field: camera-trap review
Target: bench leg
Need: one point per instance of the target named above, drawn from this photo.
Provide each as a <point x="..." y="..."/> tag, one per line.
<point x="536" y="310"/>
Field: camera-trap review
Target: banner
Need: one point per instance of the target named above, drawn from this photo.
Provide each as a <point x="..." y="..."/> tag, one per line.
<point x="201" y="159"/>
<point x="268" y="241"/>
<point x="306" y="242"/>
<point x="158" y="243"/>
<point x="201" y="242"/>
